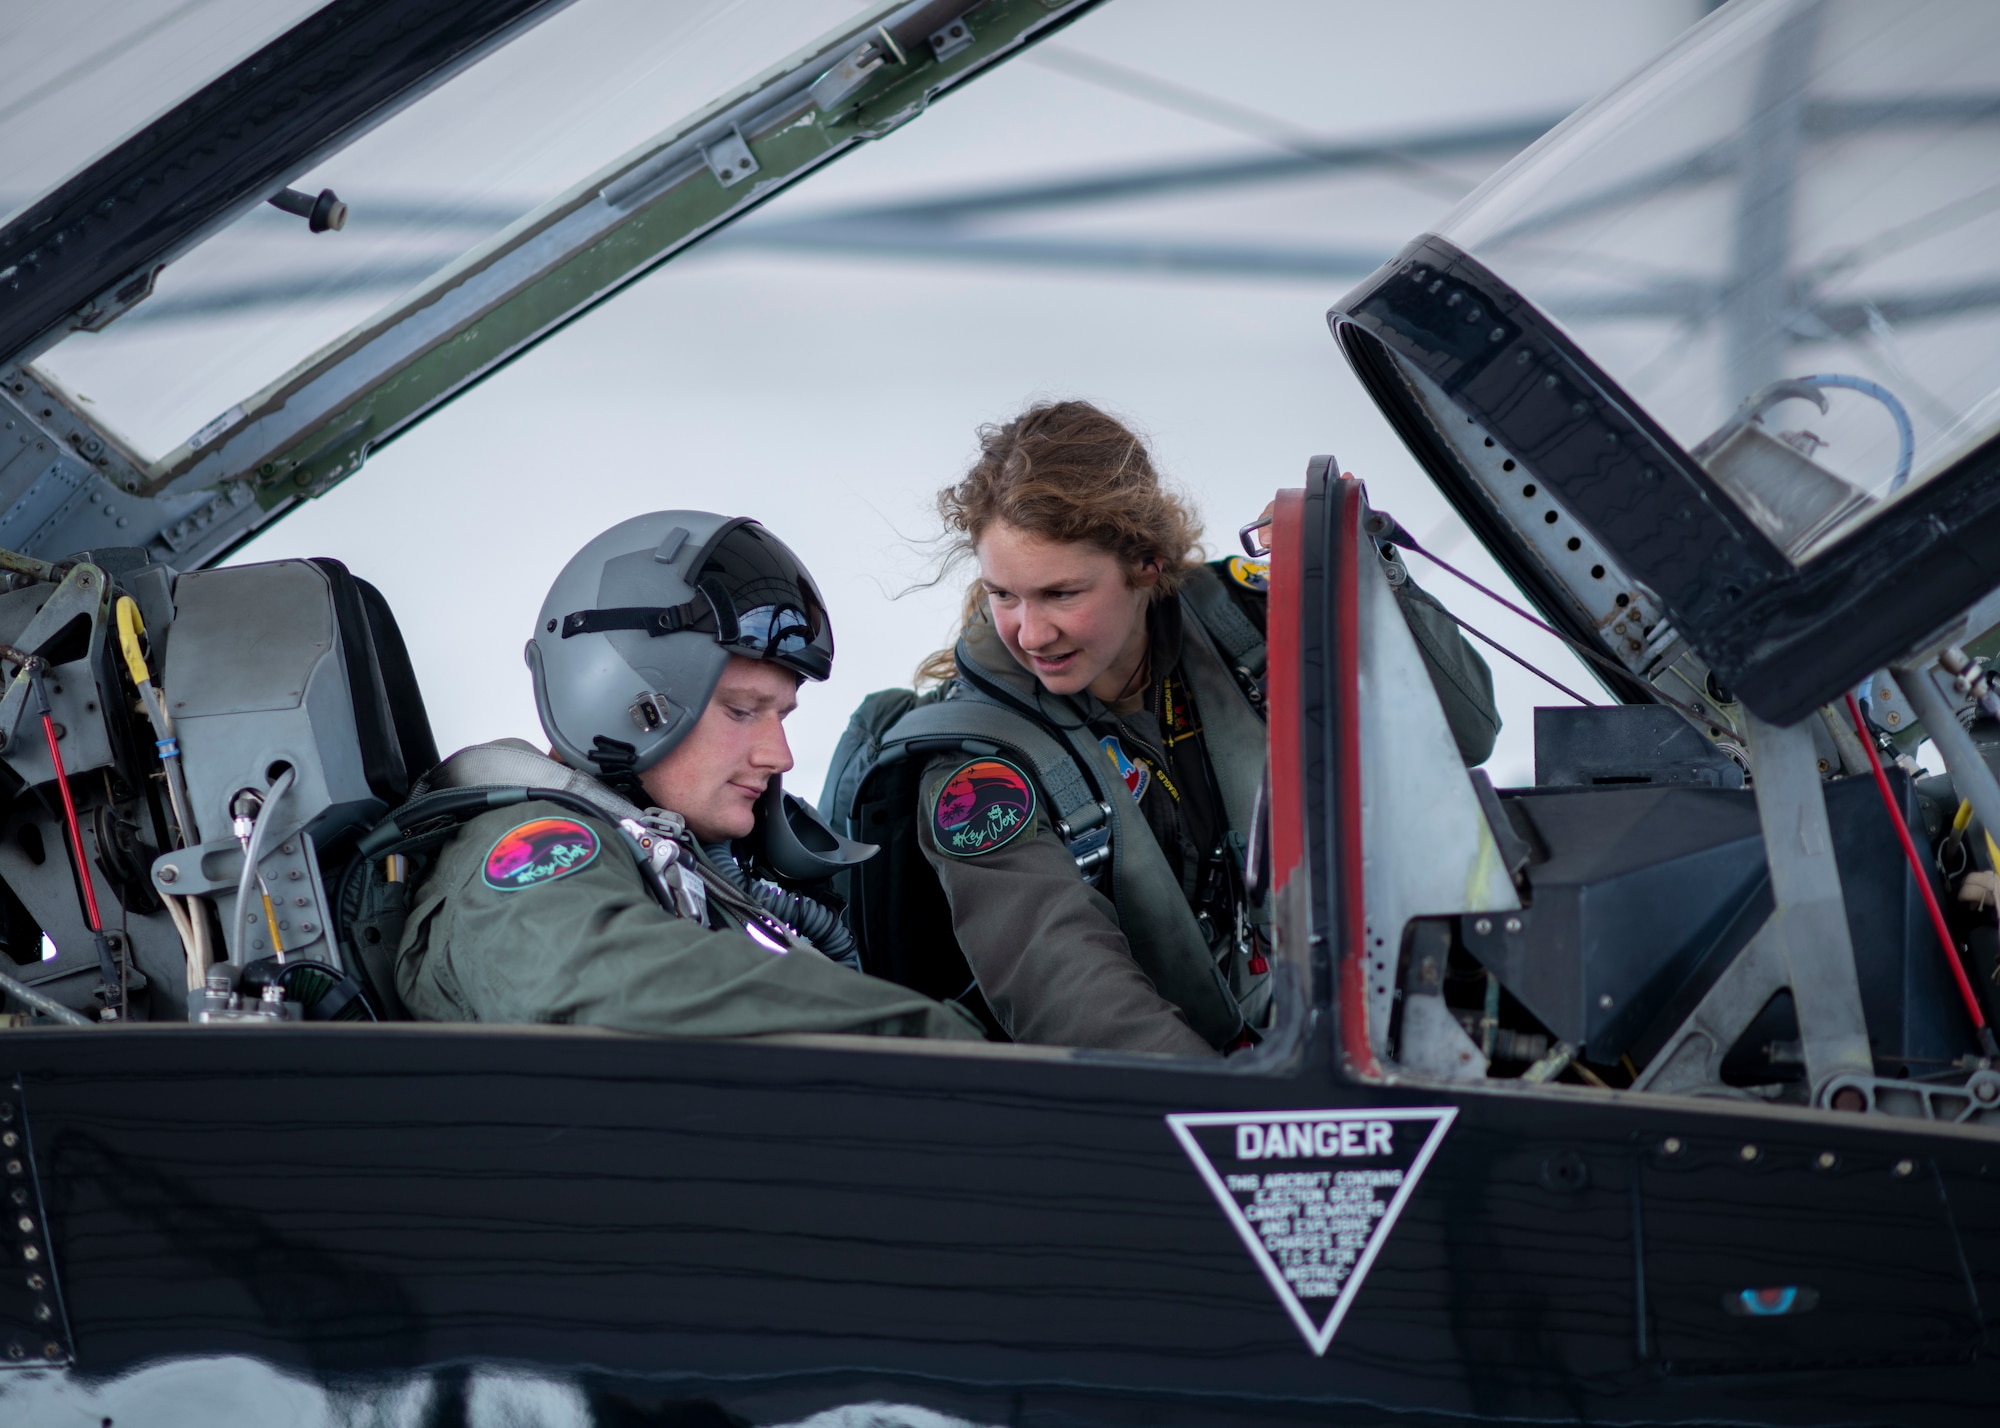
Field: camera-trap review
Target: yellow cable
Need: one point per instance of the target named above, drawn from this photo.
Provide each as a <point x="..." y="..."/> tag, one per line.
<point x="1963" y="818"/>
<point x="1992" y="853"/>
<point x="271" y="921"/>
<point x="130" y="627"/>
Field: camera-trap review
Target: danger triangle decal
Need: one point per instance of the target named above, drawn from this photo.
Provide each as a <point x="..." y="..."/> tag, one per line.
<point x="1313" y="1194"/>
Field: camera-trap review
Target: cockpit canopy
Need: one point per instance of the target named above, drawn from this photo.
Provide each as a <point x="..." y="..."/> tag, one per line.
<point x="1739" y="320"/>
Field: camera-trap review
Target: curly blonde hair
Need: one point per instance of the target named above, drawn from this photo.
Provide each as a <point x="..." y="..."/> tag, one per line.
<point x="1073" y="473"/>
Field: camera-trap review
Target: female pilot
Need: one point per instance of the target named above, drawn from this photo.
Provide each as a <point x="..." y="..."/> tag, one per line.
<point x="1094" y="624"/>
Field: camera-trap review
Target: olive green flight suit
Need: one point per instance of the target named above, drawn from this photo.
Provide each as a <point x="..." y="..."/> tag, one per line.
<point x="1048" y="949"/>
<point x="593" y="947"/>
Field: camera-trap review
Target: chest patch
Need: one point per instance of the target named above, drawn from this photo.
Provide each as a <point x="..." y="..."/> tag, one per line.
<point x="985" y="805"/>
<point x="1136" y="775"/>
<point x="1251" y="574"/>
<point x="539" y="851"/>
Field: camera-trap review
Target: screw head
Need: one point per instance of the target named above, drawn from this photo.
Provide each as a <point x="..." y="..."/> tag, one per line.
<point x="169" y="873"/>
<point x="1827" y="1160"/>
<point x="1483" y="926"/>
<point x="30" y="1253"/>
<point x="1671" y="1145"/>
<point x="1513" y="924"/>
<point x="13" y="1167"/>
<point x="1749" y="1153"/>
<point x="10" y="1139"/>
<point x="1605" y="1001"/>
<point x="1905" y="1169"/>
<point x="27" y="1226"/>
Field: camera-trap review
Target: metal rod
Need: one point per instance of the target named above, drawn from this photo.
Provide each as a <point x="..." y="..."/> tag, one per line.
<point x="1539" y="674"/>
<point x="42" y="1002"/>
<point x="1969" y="773"/>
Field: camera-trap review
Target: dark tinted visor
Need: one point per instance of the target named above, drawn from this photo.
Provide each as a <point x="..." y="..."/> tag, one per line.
<point x="766" y="606"/>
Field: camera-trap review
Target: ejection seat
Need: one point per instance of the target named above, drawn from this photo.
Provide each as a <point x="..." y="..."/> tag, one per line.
<point x="289" y="695"/>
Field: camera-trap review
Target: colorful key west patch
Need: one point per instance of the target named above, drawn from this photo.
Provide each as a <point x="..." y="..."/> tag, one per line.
<point x="985" y="805"/>
<point x="539" y="851"/>
<point x="1136" y="775"/>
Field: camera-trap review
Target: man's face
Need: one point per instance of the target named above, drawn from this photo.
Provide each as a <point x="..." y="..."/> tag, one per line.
<point x="714" y="776"/>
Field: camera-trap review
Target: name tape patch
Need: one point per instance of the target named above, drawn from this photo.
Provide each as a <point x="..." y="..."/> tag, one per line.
<point x="539" y="851"/>
<point x="1313" y="1194"/>
<point x="985" y="805"/>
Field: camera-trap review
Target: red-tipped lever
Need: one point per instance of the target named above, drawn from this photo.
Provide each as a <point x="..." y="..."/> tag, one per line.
<point x="1988" y="1046"/>
<point x="107" y="964"/>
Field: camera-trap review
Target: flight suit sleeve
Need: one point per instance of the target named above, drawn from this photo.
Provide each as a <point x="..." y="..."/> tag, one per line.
<point x="1045" y="945"/>
<point x="591" y="947"/>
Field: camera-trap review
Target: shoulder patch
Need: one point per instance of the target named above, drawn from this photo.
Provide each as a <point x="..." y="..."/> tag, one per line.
<point x="539" y="851"/>
<point x="985" y="805"/>
<point x="1251" y="574"/>
<point x="1135" y="775"/>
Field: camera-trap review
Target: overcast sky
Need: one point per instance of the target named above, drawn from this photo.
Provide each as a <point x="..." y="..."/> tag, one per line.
<point x="831" y="397"/>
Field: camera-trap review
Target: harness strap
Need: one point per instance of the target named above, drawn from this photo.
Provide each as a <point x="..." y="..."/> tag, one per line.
<point x="973" y="725"/>
<point x="1233" y="631"/>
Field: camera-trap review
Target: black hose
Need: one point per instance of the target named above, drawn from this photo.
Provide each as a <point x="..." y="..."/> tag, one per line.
<point x="807" y="916"/>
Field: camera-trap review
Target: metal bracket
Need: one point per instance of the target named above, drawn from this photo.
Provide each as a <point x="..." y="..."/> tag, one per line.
<point x="1810" y="915"/>
<point x="1804" y="945"/>
<point x="730" y="159"/>
<point x="1977" y="1101"/>
<point x="950" y="39"/>
<point x="72" y="686"/>
<point x="852" y="71"/>
<point x="34" y="1326"/>
<point x="291" y="871"/>
<point x="1692" y="1059"/>
<point x="1430" y="1041"/>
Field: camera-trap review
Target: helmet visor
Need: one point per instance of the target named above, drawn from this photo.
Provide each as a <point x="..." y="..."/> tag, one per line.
<point x="766" y="606"/>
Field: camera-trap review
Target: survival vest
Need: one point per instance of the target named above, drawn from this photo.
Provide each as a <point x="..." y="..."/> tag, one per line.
<point x="896" y="908"/>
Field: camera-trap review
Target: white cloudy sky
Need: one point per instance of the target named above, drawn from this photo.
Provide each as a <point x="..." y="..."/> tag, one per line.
<point x="831" y="397"/>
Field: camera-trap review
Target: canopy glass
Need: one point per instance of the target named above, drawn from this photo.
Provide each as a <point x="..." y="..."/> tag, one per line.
<point x="564" y="100"/>
<point x="1783" y="241"/>
<point x="83" y="75"/>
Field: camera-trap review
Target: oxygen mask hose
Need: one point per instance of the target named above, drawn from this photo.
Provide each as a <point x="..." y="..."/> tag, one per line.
<point x="107" y="963"/>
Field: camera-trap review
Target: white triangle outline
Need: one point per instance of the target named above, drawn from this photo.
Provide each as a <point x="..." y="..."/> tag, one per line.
<point x="1318" y="1338"/>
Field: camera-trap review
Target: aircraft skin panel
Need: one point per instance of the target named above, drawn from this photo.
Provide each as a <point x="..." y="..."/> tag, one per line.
<point x="712" y="1220"/>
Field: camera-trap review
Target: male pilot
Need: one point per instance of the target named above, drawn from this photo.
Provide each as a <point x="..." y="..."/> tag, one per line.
<point x="664" y="661"/>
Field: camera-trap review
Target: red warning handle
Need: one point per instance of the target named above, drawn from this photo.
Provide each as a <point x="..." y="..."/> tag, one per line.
<point x="1987" y="1044"/>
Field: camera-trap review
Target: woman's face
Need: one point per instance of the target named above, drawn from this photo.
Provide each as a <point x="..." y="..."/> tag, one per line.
<point x="1070" y="612"/>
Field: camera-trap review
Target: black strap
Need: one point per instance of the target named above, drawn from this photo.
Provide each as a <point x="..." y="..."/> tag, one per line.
<point x="651" y="619"/>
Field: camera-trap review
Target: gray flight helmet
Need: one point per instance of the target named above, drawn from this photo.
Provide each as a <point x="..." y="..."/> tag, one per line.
<point x="638" y="627"/>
